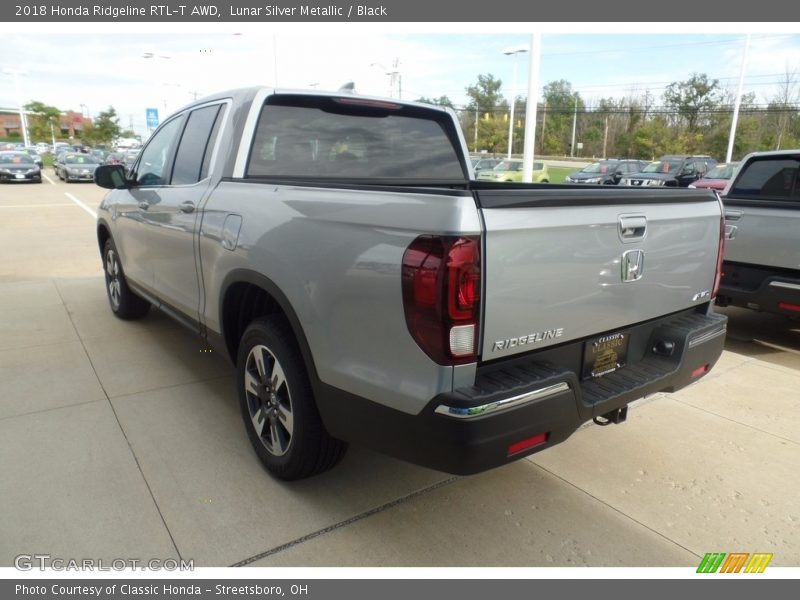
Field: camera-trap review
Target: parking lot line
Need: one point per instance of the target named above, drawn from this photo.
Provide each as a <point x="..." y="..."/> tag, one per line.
<point x="50" y="181"/>
<point x="36" y="205"/>
<point x="81" y="204"/>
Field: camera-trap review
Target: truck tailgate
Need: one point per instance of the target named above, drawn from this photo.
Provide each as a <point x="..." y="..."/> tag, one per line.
<point x="564" y="264"/>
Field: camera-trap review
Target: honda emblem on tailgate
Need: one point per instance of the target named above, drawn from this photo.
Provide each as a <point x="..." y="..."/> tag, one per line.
<point x="632" y="265"/>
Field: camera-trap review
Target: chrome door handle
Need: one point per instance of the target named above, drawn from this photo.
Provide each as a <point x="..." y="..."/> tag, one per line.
<point x="186" y="207"/>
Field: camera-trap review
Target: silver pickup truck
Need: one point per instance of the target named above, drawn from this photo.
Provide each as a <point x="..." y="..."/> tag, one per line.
<point x="338" y="250"/>
<point x="762" y="214"/>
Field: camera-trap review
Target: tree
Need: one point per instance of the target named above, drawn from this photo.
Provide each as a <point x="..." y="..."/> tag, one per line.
<point x="106" y="126"/>
<point x="560" y="99"/>
<point x="40" y="117"/>
<point x="485" y="95"/>
<point x="488" y="104"/>
<point x="784" y="104"/>
<point x="693" y="97"/>
<point x="440" y="101"/>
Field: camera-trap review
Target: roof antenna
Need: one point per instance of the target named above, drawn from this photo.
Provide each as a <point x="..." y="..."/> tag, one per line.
<point x="348" y="88"/>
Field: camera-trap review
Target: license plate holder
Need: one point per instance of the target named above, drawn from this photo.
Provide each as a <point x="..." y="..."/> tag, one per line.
<point x="605" y="354"/>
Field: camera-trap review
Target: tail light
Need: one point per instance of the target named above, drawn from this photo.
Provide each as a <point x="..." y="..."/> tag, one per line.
<point x="720" y="255"/>
<point x="441" y="296"/>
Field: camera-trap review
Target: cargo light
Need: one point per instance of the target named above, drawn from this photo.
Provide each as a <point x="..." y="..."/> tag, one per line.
<point x="527" y="444"/>
<point x="368" y="103"/>
<point x="701" y="370"/>
<point x="789" y="306"/>
<point x="441" y="282"/>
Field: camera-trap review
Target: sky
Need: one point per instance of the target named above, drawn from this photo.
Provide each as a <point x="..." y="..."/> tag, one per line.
<point x="90" y="70"/>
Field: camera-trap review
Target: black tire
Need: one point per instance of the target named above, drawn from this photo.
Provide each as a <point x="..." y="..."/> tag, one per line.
<point x="275" y="394"/>
<point x="124" y="303"/>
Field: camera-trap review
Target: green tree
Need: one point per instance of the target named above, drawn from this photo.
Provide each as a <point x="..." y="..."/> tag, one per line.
<point x="488" y="105"/>
<point x="560" y="107"/>
<point x="40" y="117"/>
<point x="440" y="101"/>
<point x="693" y="97"/>
<point x="106" y="126"/>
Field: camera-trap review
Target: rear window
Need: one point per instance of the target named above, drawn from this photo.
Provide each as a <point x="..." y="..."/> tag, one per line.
<point x="320" y="138"/>
<point x="769" y="179"/>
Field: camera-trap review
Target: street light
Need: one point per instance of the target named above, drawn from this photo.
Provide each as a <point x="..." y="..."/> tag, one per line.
<point x="23" y="125"/>
<point x="85" y="110"/>
<point x="514" y="52"/>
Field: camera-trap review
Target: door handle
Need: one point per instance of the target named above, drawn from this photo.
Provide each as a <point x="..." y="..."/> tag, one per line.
<point x="733" y="215"/>
<point x="186" y="207"/>
<point x="730" y="231"/>
<point x="144" y="205"/>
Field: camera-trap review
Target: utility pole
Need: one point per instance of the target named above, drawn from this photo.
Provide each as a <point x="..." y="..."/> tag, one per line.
<point x="529" y="144"/>
<point x="476" y="129"/>
<point x="574" y="123"/>
<point x="544" y="120"/>
<point x="605" y="137"/>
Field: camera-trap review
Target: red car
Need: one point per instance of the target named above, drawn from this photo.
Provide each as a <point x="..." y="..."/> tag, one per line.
<point x="717" y="178"/>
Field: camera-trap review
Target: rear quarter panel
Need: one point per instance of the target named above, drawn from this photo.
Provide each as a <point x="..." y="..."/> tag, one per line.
<point x="336" y="254"/>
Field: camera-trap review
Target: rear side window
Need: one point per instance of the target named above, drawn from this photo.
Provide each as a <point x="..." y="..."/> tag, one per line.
<point x="194" y="145"/>
<point x="769" y="179"/>
<point x="326" y="138"/>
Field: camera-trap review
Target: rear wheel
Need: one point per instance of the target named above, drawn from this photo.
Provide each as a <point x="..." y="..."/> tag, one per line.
<point x="124" y="303"/>
<point x="278" y="406"/>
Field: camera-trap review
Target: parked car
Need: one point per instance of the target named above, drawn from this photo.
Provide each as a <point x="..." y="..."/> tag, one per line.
<point x="76" y="167"/>
<point x="510" y="169"/>
<point x="36" y="158"/>
<point x="18" y="166"/>
<point x="672" y="171"/>
<point x="762" y="227"/>
<point x="43" y="148"/>
<point x="393" y="302"/>
<point x="717" y="178"/>
<point x="605" y="172"/>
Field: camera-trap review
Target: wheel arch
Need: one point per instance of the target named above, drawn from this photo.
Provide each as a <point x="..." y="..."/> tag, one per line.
<point x="247" y="295"/>
<point x="103" y="234"/>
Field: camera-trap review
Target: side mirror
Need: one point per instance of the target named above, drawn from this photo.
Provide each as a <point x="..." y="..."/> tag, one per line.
<point x="111" y="177"/>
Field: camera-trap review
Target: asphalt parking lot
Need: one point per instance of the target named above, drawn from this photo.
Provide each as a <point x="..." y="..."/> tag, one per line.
<point x="124" y="440"/>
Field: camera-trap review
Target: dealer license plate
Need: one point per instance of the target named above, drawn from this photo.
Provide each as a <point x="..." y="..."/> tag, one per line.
<point x="605" y="354"/>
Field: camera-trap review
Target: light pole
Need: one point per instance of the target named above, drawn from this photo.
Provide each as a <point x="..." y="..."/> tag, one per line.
<point x="395" y="78"/>
<point x="514" y="52"/>
<point x="85" y="110"/>
<point x="22" y="124"/>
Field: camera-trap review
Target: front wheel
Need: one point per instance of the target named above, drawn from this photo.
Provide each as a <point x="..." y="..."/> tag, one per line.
<point x="124" y="303"/>
<point x="278" y="406"/>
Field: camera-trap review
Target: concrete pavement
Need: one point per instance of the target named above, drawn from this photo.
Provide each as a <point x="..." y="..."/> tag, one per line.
<point x="124" y="440"/>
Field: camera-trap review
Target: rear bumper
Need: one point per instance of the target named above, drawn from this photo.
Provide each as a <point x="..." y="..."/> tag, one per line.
<point x="760" y="288"/>
<point x="531" y="398"/>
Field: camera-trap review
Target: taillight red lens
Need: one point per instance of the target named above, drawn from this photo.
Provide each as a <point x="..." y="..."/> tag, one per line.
<point x="441" y="296"/>
<point x="720" y="256"/>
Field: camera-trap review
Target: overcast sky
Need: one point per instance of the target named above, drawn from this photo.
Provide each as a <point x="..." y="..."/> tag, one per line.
<point x="98" y="69"/>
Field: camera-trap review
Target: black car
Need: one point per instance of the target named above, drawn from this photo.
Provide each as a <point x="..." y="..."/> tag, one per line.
<point x="671" y="171"/>
<point x="606" y="172"/>
<point x="19" y="166"/>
